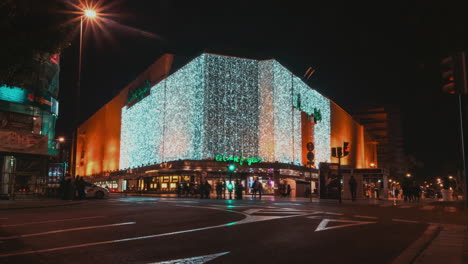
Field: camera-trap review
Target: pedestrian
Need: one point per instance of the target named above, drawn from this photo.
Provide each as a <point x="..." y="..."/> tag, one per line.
<point x="352" y="187"/>
<point x="397" y="192"/>
<point x="417" y="192"/>
<point x="201" y="189"/>
<point x="239" y="189"/>
<point x="260" y="189"/>
<point x="288" y="190"/>
<point x="223" y="190"/>
<point x="254" y="188"/>
<point x="207" y="190"/>
<point x="377" y="191"/>
<point x="282" y="190"/>
<point x="186" y="189"/>
<point x="179" y="190"/>
<point x="80" y="187"/>
<point x="64" y="188"/>
<point x="219" y="189"/>
<point x="70" y="189"/>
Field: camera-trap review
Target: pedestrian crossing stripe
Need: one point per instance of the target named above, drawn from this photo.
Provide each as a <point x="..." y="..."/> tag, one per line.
<point x="323" y="224"/>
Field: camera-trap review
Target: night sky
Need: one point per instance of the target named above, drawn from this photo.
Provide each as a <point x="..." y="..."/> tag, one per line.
<point x="365" y="55"/>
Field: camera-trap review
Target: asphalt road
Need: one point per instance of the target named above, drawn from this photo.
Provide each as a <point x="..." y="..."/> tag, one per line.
<point x="154" y="230"/>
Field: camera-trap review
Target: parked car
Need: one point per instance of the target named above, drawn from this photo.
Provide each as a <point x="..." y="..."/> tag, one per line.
<point x="94" y="191"/>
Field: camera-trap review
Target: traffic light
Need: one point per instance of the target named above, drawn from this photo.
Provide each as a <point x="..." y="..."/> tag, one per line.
<point x="231" y="167"/>
<point x="310" y="154"/>
<point x="230" y="186"/>
<point x="346" y="148"/>
<point x="454" y="74"/>
<point x="333" y="150"/>
<point x="339" y="152"/>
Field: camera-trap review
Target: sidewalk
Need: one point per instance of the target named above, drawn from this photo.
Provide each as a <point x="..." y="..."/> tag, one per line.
<point x="458" y="204"/>
<point x="35" y="203"/>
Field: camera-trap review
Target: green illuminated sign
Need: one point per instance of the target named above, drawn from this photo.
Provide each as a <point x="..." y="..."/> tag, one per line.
<point x="139" y="93"/>
<point x="238" y="159"/>
<point x="317" y="115"/>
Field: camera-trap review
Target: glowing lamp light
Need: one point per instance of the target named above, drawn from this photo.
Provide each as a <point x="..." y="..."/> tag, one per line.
<point x="61" y="139"/>
<point x="90" y="13"/>
<point x="372" y="165"/>
<point x="450" y="177"/>
<point x="408" y="175"/>
<point x="232" y="167"/>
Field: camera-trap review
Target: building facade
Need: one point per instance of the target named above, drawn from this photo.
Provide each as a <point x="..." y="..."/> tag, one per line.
<point x="27" y="129"/>
<point x="185" y="124"/>
<point x="384" y="125"/>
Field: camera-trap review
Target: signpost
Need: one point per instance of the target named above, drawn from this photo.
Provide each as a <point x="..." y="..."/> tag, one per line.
<point x="340" y="152"/>
<point x="310" y="162"/>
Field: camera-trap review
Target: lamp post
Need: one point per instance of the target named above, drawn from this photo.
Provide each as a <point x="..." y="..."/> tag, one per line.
<point x="87" y="14"/>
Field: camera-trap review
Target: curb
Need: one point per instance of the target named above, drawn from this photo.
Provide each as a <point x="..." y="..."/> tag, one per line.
<point x="410" y="254"/>
<point x="43" y="206"/>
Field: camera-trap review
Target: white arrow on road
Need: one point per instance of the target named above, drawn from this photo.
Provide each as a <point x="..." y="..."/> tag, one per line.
<point x="323" y="224"/>
<point x="194" y="260"/>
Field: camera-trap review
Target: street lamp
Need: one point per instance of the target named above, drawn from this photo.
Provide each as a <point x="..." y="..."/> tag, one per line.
<point x="408" y="175"/>
<point x="89" y="14"/>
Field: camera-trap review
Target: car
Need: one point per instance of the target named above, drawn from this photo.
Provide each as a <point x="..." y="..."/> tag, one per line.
<point x="94" y="191"/>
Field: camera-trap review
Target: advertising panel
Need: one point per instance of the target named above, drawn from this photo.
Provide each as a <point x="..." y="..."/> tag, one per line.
<point x="25" y="96"/>
<point x="16" y="141"/>
<point x="20" y="122"/>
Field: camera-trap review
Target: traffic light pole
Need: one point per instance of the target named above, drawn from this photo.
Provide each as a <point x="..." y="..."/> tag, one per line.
<point x="339" y="178"/>
<point x="463" y="150"/>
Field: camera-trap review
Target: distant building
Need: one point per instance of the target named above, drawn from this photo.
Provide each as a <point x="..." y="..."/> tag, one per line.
<point x="384" y="125"/>
<point x="27" y="129"/>
<point x="182" y="123"/>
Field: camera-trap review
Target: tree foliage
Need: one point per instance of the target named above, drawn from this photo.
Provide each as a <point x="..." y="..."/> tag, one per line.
<point x="31" y="31"/>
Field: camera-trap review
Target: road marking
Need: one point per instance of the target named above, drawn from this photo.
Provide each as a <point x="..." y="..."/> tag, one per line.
<point x="251" y="211"/>
<point x="194" y="260"/>
<point x="406" y="221"/>
<point x="248" y="219"/>
<point x="427" y="207"/>
<point x="364" y="216"/>
<point x="65" y="230"/>
<point x="53" y="221"/>
<point x="450" y="209"/>
<point x="331" y="213"/>
<point x="323" y="224"/>
<point x="276" y="212"/>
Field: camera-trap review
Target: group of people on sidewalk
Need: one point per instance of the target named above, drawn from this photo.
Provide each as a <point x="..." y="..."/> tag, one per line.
<point x="72" y="188"/>
<point x="203" y="189"/>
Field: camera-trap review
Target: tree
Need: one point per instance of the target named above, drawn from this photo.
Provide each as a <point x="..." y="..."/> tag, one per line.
<point x="31" y="32"/>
